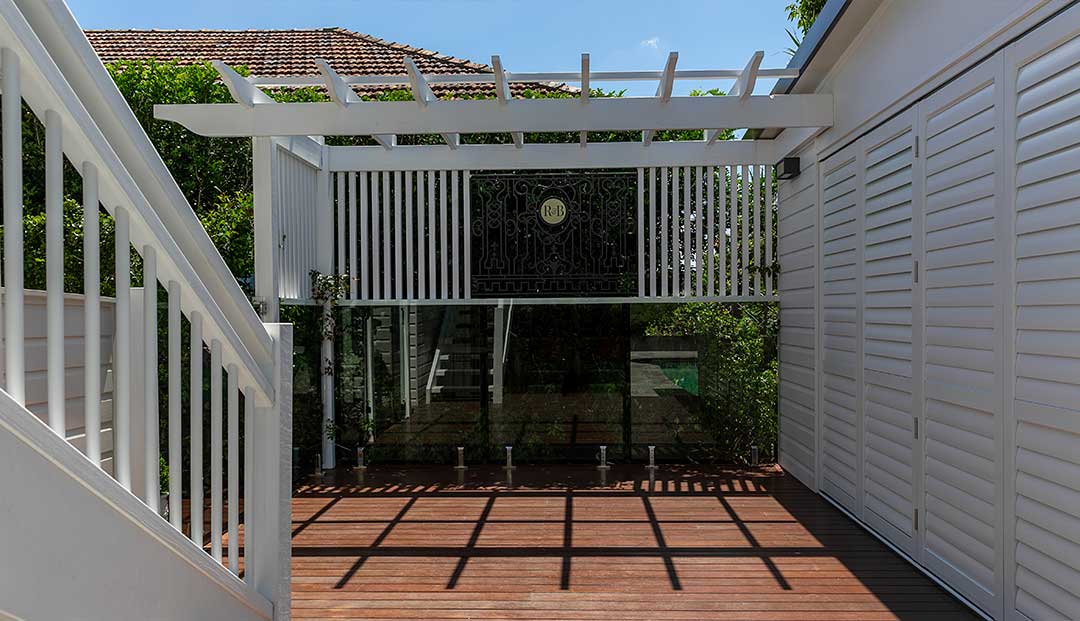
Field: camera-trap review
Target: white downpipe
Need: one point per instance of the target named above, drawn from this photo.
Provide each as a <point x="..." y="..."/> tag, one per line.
<point x="326" y="362"/>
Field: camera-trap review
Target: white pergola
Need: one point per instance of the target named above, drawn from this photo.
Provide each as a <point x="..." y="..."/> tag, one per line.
<point x="396" y="218"/>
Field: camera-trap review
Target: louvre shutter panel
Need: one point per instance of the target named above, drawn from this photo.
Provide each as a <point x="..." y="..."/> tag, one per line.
<point x="962" y="368"/>
<point x="1045" y="114"/>
<point x="887" y="339"/>
<point x="797" y="255"/>
<point x="840" y="256"/>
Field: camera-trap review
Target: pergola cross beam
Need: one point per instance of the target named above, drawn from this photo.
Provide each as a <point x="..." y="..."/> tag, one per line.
<point x="344" y="96"/>
<point x="502" y="94"/>
<point x="424" y="96"/>
<point x="663" y="91"/>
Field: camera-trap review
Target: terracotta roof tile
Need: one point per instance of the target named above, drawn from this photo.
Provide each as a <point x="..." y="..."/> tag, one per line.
<point x="291" y="52"/>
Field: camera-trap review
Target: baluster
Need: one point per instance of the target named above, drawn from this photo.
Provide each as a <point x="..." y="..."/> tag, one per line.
<point x="399" y="225"/>
<point x="215" y="449"/>
<point x="444" y="250"/>
<point x="150" y="380"/>
<point x="365" y="241"/>
<point x="654" y="261"/>
<point x="757" y="229"/>
<point x="11" y="127"/>
<point x="249" y="481"/>
<point x="122" y="355"/>
<point x="433" y="291"/>
<point x="387" y="268"/>
<point x="665" y="291"/>
<point x="744" y="288"/>
<point x="687" y="250"/>
<point x="733" y="226"/>
<point x="376" y="219"/>
<point x="468" y="236"/>
<point x="54" y="268"/>
<point x="768" y="229"/>
<point x="455" y="235"/>
<point x="234" y="470"/>
<point x="92" y="316"/>
<point x="176" y="460"/>
<point x="699" y="225"/>
<point x="410" y="236"/>
<point x="196" y="424"/>
<point x="421" y="238"/>
<point x="339" y="202"/>
<point x="353" y="246"/>
<point x="710" y="225"/>
<point x="676" y="274"/>
<point x="641" y="231"/>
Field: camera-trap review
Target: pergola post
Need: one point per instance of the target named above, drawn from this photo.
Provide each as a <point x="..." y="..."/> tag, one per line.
<point x="267" y="248"/>
<point x="324" y="260"/>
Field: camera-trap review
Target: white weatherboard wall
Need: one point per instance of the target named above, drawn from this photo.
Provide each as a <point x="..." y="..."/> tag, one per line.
<point x="944" y="342"/>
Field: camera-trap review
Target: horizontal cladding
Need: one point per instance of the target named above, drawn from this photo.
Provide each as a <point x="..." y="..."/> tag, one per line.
<point x="797" y="254"/>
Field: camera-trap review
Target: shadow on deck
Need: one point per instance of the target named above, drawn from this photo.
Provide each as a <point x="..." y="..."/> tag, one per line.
<point x="560" y="543"/>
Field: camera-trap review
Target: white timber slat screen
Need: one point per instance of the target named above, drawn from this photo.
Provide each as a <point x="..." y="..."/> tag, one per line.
<point x="295" y="188"/>
<point x="1045" y="112"/>
<point x="889" y="203"/>
<point x="797" y="253"/>
<point x="841" y="251"/>
<point x="708" y="233"/>
<point x="962" y="374"/>
<point x="408" y="238"/>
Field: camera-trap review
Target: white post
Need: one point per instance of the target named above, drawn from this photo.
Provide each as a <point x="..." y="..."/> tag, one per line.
<point x="136" y="433"/>
<point x="150" y="381"/>
<point x="54" y="268"/>
<point x="272" y="481"/>
<point x="249" y="485"/>
<point x="92" y="290"/>
<point x="14" y="339"/>
<point x="122" y="354"/>
<point x="267" y="248"/>
<point x="324" y="260"/>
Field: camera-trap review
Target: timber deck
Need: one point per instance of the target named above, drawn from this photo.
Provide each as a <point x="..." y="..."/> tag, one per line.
<point x="698" y="543"/>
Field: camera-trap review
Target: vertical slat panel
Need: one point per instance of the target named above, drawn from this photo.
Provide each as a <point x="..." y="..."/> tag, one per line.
<point x="444" y="259"/>
<point x="769" y="207"/>
<point x="654" y="262"/>
<point x="354" y="248"/>
<point x="421" y="236"/>
<point x="756" y="224"/>
<point x="687" y="223"/>
<point x="641" y="231"/>
<point x="387" y="268"/>
<point x="215" y="449"/>
<point x="744" y="287"/>
<point x="376" y="226"/>
<point x="92" y="315"/>
<point x="399" y="277"/>
<point x="699" y="224"/>
<point x="249" y="481"/>
<point x="176" y="460"/>
<point x="122" y="355"/>
<point x="710" y="226"/>
<point x="733" y="227"/>
<point x="151" y="446"/>
<point x="234" y="468"/>
<point x="433" y="291"/>
<point x="339" y="204"/>
<point x="467" y="235"/>
<point x="11" y="128"/>
<point x="364" y="247"/>
<point x="676" y="238"/>
<point x="409" y="235"/>
<point x="54" y="269"/>
<point x="665" y="232"/>
<point x="455" y="234"/>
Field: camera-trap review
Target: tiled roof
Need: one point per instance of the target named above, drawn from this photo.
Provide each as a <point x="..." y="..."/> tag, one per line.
<point x="290" y="52"/>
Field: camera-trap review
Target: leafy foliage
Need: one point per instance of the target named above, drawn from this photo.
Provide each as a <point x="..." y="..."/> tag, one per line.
<point x="804" y="13"/>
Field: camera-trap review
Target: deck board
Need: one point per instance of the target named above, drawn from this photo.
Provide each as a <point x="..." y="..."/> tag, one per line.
<point x="417" y="543"/>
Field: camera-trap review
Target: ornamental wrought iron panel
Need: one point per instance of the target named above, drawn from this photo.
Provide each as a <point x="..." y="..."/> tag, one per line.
<point x="554" y="233"/>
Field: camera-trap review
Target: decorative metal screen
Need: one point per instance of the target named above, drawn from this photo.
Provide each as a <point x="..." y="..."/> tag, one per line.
<point x="551" y="234"/>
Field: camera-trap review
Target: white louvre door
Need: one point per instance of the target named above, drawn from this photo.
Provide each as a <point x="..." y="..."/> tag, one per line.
<point x="963" y="335"/>
<point x="840" y="255"/>
<point x="887" y="157"/>
<point x="1043" y="115"/>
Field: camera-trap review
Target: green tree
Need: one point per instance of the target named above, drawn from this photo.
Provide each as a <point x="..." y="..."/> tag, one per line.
<point x="804" y="13"/>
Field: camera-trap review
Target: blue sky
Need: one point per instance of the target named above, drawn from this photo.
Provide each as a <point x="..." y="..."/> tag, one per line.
<point x="530" y="35"/>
